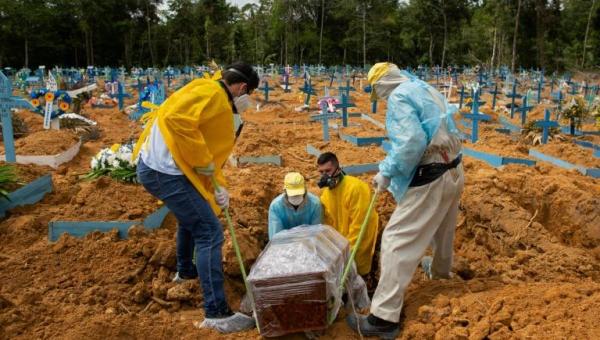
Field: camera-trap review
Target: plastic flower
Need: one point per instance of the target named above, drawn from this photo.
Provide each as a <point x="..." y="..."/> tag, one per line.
<point x="49" y="96"/>
<point x="64" y="106"/>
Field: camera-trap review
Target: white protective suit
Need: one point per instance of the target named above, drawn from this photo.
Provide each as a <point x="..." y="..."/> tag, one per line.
<point x="420" y="128"/>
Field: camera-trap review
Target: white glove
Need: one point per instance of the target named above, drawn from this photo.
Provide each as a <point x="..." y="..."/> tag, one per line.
<point x="380" y="182"/>
<point x="222" y="198"/>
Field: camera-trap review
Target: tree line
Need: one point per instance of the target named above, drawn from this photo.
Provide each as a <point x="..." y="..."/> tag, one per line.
<point x="550" y="34"/>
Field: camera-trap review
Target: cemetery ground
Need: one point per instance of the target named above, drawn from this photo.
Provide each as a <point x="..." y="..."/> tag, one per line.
<point x="527" y="245"/>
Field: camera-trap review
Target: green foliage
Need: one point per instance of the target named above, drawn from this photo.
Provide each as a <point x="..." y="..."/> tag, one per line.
<point x="8" y="179"/>
<point x="551" y="33"/>
<point x="576" y="110"/>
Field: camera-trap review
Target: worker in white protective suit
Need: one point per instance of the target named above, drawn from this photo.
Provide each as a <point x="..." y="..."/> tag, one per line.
<point x="423" y="172"/>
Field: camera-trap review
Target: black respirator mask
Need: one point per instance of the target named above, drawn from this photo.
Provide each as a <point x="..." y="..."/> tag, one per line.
<point x="331" y="181"/>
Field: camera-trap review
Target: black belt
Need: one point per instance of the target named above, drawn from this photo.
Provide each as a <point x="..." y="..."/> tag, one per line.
<point x="430" y="172"/>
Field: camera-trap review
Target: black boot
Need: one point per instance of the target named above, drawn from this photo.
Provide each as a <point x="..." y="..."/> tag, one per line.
<point x="373" y="326"/>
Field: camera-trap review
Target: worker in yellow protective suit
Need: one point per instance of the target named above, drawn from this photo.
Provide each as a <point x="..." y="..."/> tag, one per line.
<point x="345" y="202"/>
<point x="186" y="141"/>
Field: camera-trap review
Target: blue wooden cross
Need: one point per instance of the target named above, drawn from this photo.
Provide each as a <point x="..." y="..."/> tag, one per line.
<point x="513" y="95"/>
<point x="324" y="118"/>
<point x="558" y="99"/>
<point x="113" y="75"/>
<point x="8" y="101"/>
<point x="475" y="117"/>
<point x="546" y="124"/>
<point x="344" y="105"/>
<point x="266" y="90"/>
<point x="121" y="94"/>
<point x="308" y="90"/>
<point x="494" y="95"/>
<point x="346" y="88"/>
<point x="523" y="109"/>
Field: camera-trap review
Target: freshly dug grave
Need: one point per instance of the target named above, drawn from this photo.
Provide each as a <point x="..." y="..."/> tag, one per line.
<point x="29" y="172"/>
<point x="570" y="152"/>
<point x="26" y="173"/>
<point x="45" y="143"/>
<point x="106" y="199"/>
<point x="494" y="142"/>
<point x="33" y="121"/>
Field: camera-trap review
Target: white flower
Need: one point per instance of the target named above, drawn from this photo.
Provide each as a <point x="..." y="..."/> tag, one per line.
<point x="94" y="163"/>
<point x="126" y="157"/>
<point x="116" y="163"/>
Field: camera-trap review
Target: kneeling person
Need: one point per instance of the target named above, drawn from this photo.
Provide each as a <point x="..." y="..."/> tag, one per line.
<point x="345" y="202"/>
<point x="294" y="207"/>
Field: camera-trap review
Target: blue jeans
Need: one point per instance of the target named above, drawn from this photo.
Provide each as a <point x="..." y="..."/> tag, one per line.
<point x="199" y="227"/>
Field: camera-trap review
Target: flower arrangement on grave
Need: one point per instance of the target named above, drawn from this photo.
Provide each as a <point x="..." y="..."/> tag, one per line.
<point x="42" y="96"/>
<point x="330" y="102"/>
<point x="575" y="111"/>
<point x="8" y="179"/>
<point x="114" y="162"/>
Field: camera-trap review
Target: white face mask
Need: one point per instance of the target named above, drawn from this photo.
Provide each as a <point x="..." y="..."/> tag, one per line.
<point x="242" y="103"/>
<point x="296" y="200"/>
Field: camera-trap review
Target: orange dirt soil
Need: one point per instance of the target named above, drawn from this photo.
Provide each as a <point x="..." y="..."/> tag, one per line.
<point x="527" y="247"/>
<point x="45" y="142"/>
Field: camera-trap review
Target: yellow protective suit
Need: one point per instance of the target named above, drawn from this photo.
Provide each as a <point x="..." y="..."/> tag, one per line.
<point x="345" y="208"/>
<point x="196" y="123"/>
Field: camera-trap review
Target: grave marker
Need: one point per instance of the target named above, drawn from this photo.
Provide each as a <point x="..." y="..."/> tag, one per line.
<point x="524" y="109"/>
<point x="8" y="101"/>
<point x="344" y="105"/>
<point x="308" y="90"/>
<point x="513" y="95"/>
<point x="346" y="89"/>
<point x="266" y="90"/>
<point x="546" y="124"/>
<point x="324" y="118"/>
<point x="475" y="117"/>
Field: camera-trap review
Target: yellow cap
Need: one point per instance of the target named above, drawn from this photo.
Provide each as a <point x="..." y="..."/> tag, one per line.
<point x="294" y="184"/>
<point x="377" y="71"/>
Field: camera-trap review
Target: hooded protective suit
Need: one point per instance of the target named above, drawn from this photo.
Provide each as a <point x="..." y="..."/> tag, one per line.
<point x="415" y="112"/>
<point x="423" y="136"/>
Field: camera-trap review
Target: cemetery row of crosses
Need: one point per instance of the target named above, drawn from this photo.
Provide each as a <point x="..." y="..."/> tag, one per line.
<point x="85" y="251"/>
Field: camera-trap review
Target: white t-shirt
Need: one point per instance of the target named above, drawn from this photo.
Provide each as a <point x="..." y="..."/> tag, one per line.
<point x="156" y="154"/>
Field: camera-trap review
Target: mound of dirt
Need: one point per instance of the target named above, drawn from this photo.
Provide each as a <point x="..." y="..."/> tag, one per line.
<point x="570" y="152"/>
<point x="45" y="142"/>
<point x="27" y="173"/>
<point x="105" y="199"/>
